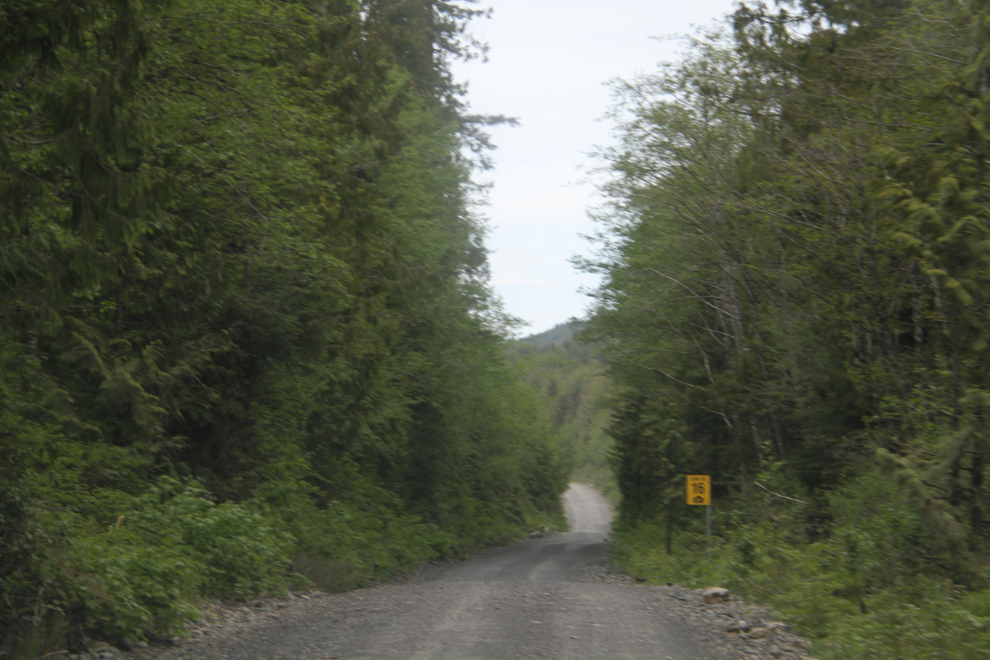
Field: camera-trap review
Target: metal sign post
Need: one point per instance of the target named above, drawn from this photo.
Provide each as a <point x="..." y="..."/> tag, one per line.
<point x="699" y="493"/>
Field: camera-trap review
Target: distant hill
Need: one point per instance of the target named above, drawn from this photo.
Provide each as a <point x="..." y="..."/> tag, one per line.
<point x="558" y="335"/>
<point x="570" y="380"/>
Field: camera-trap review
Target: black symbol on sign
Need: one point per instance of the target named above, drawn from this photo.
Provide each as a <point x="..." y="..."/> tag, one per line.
<point x="699" y="500"/>
<point x="699" y="488"/>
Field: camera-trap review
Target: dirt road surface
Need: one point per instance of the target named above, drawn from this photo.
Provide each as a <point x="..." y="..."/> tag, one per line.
<point x="539" y="598"/>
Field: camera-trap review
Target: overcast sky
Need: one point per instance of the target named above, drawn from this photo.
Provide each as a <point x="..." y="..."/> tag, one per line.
<point x="548" y="62"/>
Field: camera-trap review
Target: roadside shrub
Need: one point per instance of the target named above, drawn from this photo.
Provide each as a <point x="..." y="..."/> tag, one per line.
<point x="127" y="588"/>
<point x="142" y="575"/>
<point x="240" y="551"/>
<point x="347" y="544"/>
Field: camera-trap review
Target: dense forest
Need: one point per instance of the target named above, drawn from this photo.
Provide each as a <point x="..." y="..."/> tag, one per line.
<point x="573" y="390"/>
<point x="246" y="337"/>
<point x="795" y="251"/>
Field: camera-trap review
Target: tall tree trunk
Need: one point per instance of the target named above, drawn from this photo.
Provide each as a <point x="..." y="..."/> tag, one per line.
<point x="976" y="486"/>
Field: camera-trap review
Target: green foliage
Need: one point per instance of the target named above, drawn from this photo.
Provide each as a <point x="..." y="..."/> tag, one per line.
<point x="794" y="264"/>
<point x="869" y="588"/>
<point x="244" y="305"/>
<point x="127" y="585"/>
<point x="240" y="551"/>
<point x="142" y="574"/>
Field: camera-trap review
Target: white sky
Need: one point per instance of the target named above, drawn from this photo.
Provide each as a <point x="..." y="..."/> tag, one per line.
<point x="548" y="62"/>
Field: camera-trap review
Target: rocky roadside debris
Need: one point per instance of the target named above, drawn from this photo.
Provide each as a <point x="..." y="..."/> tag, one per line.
<point x="540" y="533"/>
<point x="741" y="629"/>
<point x="747" y="629"/>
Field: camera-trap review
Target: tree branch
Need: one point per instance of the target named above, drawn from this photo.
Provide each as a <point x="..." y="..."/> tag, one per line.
<point x="783" y="497"/>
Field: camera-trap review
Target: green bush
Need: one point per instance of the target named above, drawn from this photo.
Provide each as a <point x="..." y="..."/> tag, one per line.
<point x="129" y="588"/>
<point x="348" y="544"/>
<point x="240" y="551"/>
<point x="143" y="574"/>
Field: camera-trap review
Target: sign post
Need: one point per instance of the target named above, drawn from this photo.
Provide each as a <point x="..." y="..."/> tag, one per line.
<point x="699" y="493"/>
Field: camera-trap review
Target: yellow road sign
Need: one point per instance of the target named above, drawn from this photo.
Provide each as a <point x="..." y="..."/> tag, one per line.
<point x="699" y="489"/>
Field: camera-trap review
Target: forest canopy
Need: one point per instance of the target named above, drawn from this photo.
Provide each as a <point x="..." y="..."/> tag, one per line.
<point x="796" y="268"/>
<point x="246" y="333"/>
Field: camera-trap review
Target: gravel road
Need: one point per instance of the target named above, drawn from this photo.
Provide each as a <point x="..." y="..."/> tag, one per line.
<point x="541" y="597"/>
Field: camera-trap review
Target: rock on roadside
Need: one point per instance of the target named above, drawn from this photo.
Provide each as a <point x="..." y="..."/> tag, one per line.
<point x="745" y="628"/>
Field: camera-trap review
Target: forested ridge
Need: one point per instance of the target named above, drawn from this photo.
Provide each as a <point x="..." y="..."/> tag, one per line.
<point x="569" y="380"/>
<point x="795" y="253"/>
<point x="246" y="337"/>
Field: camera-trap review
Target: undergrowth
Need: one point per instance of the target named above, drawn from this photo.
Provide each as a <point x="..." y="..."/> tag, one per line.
<point x="865" y="585"/>
<point x="141" y="572"/>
